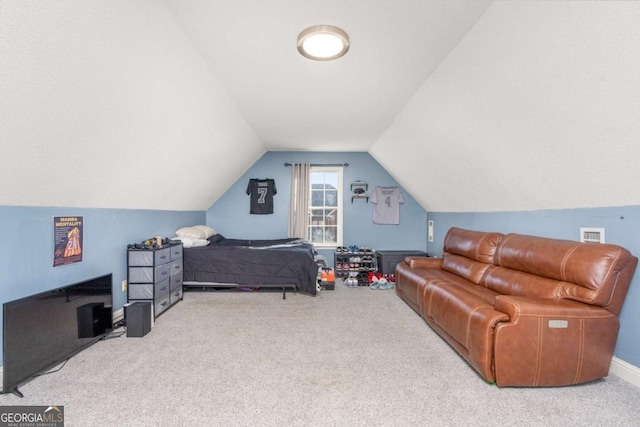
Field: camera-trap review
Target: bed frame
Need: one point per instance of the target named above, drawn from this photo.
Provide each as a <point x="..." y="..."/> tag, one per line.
<point x="205" y="285"/>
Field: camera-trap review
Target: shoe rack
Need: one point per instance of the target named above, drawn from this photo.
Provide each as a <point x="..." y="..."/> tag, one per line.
<point x="355" y="262"/>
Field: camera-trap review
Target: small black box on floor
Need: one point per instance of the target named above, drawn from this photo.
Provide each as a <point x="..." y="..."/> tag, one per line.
<point x="387" y="260"/>
<point x="138" y="319"/>
<point x="93" y="319"/>
<point x="328" y="286"/>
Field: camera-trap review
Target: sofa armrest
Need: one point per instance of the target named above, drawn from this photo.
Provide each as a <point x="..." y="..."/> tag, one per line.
<point x="518" y="306"/>
<point x="551" y="342"/>
<point x="424" y="263"/>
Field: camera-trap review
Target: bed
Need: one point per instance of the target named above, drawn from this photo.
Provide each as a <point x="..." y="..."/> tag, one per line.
<point x="281" y="263"/>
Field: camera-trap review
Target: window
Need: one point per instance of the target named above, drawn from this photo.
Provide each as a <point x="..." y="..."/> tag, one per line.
<point x="325" y="210"/>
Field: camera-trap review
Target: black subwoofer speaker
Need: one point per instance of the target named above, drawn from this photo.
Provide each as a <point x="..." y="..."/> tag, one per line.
<point x="93" y="319"/>
<point x="138" y="318"/>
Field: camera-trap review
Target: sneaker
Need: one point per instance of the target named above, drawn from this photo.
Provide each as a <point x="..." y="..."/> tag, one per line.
<point x="389" y="285"/>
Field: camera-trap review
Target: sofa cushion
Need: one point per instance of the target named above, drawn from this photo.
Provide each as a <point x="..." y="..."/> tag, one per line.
<point x="464" y="267"/>
<point x="468" y="253"/>
<point x="410" y="282"/>
<point x="578" y="271"/>
<point x="512" y="282"/>
<point x="476" y="245"/>
<point x="454" y="309"/>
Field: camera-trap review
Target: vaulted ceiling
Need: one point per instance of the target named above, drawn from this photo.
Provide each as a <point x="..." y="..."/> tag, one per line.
<point x="471" y="105"/>
<point x="294" y="103"/>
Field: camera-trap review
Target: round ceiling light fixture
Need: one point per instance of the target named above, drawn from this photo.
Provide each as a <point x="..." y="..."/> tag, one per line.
<point x="323" y="42"/>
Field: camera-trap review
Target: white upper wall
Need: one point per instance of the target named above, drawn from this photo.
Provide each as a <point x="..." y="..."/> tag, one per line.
<point x="107" y="104"/>
<point x="538" y="107"/>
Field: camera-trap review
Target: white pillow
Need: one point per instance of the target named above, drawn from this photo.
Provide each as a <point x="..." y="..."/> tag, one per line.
<point x="188" y="242"/>
<point x="208" y="231"/>
<point x="191" y="232"/>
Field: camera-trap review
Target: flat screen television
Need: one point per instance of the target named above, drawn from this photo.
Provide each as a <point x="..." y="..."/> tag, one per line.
<point x="43" y="330"/>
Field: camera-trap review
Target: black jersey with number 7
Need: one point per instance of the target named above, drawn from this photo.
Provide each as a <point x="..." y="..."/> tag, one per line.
<point x="261" y="192"/>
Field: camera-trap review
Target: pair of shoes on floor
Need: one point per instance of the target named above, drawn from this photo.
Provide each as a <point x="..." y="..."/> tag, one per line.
<point x="380" y="284"/>
<point x="387" y="285"/>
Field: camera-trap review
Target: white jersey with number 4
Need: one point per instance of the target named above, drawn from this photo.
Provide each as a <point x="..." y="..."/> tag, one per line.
<point x="387" y="201"/>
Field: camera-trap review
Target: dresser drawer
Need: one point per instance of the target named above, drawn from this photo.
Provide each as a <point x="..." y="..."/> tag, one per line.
<point x="162" y="256"/>
<point x="176" y="280"/>
<point x="140" y="258"/>
<point x="162" y="289"/>
<point x="162" y="304"/>
<point x="145" y="274"/>
<point x="140" y="274"/>
<point x="176" y="252"/>
<point x="141" y="291"/>
<point x="144" y="258"/>
<point x="163" y="272"/>
<point x="176" y="295"/>
<point x="176" y="266"/>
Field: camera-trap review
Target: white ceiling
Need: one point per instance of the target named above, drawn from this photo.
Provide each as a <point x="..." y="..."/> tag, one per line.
<point x="510" y="105"/>
<point x="293" y="103"/>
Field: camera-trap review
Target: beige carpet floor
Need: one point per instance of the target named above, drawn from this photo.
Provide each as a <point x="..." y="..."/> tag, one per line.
<point x="348" y="357"/>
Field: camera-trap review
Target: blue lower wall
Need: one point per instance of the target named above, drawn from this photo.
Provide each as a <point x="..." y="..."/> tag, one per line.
<point x="622" y="227"/>
<point x="26" y="256"/>
<point x="229" y="215"/>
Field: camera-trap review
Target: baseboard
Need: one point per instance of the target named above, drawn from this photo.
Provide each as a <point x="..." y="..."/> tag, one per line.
<point x="626" y="371"/>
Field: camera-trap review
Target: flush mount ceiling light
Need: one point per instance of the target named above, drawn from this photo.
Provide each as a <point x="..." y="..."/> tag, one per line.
<point x="323" y="42"/>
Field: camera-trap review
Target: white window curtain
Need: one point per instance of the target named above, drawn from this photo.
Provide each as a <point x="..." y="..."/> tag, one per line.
<point x="299" y="209"/>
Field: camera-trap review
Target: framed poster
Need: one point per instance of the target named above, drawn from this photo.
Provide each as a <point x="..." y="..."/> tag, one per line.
<point x="68" y="238"/>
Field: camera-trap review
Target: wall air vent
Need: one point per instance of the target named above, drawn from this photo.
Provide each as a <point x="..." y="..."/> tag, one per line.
<point x="591" y="235"/>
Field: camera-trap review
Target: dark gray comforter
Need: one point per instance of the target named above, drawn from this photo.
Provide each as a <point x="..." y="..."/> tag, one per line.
<point x="253" y="263"/>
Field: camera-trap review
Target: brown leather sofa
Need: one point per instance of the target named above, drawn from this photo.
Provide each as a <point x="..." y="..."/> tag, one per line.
<point x="522" y="310"/>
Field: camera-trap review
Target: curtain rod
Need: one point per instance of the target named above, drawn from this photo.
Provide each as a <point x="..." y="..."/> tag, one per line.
<point x="323" y="164"/>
